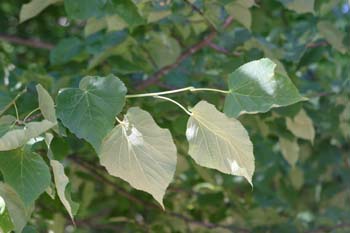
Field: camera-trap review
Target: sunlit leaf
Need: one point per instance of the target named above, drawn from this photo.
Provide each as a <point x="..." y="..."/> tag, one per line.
<point x="301" y="126"/>
<point x="219" y="142"/>
<point x="300" y="6"/>
<point x="46" y="104"/>
<point x="257" y="87"/>
<point x="33" y="8"/>
<point x="61" y="183"/>
<point x="141" y="153"/>
<point x="18" y="137"/>
<point x="290" y="150"/>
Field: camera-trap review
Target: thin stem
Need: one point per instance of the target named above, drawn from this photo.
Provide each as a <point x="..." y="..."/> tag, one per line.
<point x="12" y="102"/>
<point x="159" y="93"/>
<point x="119" y="121"/>
<point x="29" y="114"/>
<point x="16" y="110"/>
<point x="210" y="89"/>
<point x="175" y="102"/>
<point x="191" y="89"/>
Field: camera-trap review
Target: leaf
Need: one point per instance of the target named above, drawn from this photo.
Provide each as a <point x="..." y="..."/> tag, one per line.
<point x="290" y="150"/>
<point x="301" y="126"/>
<point x="84" y="9"/>
<point x="334" y="36"/>
<point x="6" y="225"/>
<point x="18" y="137"/>
<point x="240" y="11"/>
<point x="141" y="153"/>
<point x="16" y="208"/>
<point x="46" y="104"/>
<point x="256" y="87"/>
<point x="61" y="183"/>
<point x="163" y="49"/>
<point x="299" y="6"/>
<point x="33" y="8"/>
<point x="26" y="172"/>
<point x="296" y="177"/>
<point x="6" y="124"/>
<point x="89" y="111"/>
<point x="219" y="142"/>
<point x="5" y="101"/>
<point x="65" y="50"/>
<point x="127" y="10"/>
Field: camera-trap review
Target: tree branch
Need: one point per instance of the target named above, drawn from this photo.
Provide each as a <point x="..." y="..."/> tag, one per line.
<point x="190" y="51"/>
<point x="34" y="43"/>
<point x="96" y="173"/>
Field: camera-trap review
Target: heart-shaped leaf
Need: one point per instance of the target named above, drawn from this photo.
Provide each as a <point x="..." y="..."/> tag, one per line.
<point x="140" y="152"/>
<point x="219" y="142"/>
<point x="89" y="111"/>
<point x="256" y="87"/>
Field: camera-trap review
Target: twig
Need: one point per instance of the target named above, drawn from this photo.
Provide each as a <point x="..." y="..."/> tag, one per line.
<point x="94" y="172"/>
<point x="223" y="50"/>
<point x="190" y="51"/>
<point x="34" y="43"/>
<point x="196" y="9"/>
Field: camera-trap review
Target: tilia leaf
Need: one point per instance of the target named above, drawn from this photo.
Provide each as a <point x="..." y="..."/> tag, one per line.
<point x="46" y="104"/>
<point x="19" y="213"/>
<point x="141" y="153"/>
<point x="26" y="172"/>
<point x="257" y="87"/>
<point x="89" y="111"/>
<point x="219" y="142"/>
<point x="301" y="126"/>
<point x="61" y="183"/>
<point x="18" y="137"/>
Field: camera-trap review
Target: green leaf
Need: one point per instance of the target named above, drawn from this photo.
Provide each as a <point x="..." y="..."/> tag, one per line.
<point x="296" y="177"/>
<point x="65" y="50"/>
<point x="84" y="9"/>
<point x="240" y="11"/>
<point x="46" y="104"/>
<point x="299" y="6"/>
<point x="18" y="137"/>
<point x="18" y="212"/>
<point x="6" y="225"/>
<point x="163" y="49"/>
<point x="290" y="150"/>
<point x="301" y="126"/>
<point x="219" y="142"/>
<point x="141" y="153"/>
<point x="5" y="101"/>
<point x="6" y="124"/>
<point x="61" y="183"/>
<point x="33" y="8"/>
<point x="256" y="87"/>
<point x="89" y="111"/>
<point x="127" y="10"/>
<point x="26" y="172"/>
<point x="334" y="36"/>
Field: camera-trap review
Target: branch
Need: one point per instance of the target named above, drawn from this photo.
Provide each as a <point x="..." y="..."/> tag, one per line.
<point x="34" y="43"/>
<point x="193" y="49"/>
<point x="96" y="173"/>
<point x="223" y="50"/>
